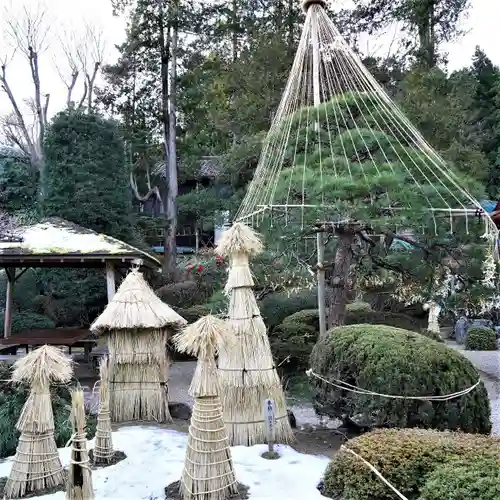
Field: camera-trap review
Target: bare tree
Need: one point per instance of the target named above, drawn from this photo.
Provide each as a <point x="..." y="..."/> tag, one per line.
<point x="27" y="34"/>
<point x="84" y="57"/>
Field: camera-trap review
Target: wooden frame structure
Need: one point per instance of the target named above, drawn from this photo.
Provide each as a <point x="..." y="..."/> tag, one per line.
<point x="28" y="249"/>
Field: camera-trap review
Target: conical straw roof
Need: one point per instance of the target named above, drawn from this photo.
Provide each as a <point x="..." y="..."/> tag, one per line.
<point x="240" y="238"/>
<point x="136" y="306"/>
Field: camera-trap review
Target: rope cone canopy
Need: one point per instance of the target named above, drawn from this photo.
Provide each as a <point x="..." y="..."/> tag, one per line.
<point x="79" y="485"/>
<point x="247" y="372"/>
<point x="340" y="150"/>
<point x="208" y="469"/>
<point x="36" y="466"/>
<point x="103" y="447"/>
<point x="138" y="325"/>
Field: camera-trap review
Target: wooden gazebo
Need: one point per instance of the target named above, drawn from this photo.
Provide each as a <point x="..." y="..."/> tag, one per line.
<point x="61" y="244"/>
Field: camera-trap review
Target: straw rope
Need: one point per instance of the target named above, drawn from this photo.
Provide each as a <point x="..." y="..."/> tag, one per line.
<point x="358" y="390"/>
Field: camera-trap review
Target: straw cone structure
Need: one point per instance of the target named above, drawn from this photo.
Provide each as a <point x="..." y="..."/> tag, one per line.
<point x="79" y="485"/>
<point x="36" y="464"/>
<point x="137" y="325"/>
<point x="208" y="469"/>
<point x="246" y="369"/>
<point x="103" y="447"/>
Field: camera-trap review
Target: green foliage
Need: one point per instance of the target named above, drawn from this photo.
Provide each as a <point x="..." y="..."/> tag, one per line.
<point x="308" y="317"/>
<point x="407" y="459"/>
<point x="87" y="177"/>
<point x="26" y="320"/>
<point x="358" y="307"/>
<point x="481" y="339"/>
<point x="194" y="313"/>
<point x="184" y="294"/>
<point x="394" y="361"/>
<point x="277" y="306"/>
<point x="18" y="183"/>
<point x="291" y="344"/>
<point x="12" y="400"/>
<point x="431" y="335"/>
<point x="475" y="477"/>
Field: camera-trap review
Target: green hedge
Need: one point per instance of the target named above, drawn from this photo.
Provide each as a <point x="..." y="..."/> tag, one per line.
<point x="431" y="335"/>
<point x="277" y="306"/>
<point x="481" y="339"/>
<point x="28" y="320"/>
<point x="389" y="360"/>
<point x="475" y="478"/>
<point x="293" y="342"/>
<point x="406" y="458"/>
<point x="12" y="399"/>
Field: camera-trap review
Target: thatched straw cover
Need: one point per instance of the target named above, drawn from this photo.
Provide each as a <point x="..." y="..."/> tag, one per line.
<point x="208" y="469"/>
<point x="247" y="372"/>
<point x="79" y="485"/>
<point x="103" y="447"/>
<point x="36" y="465"/>
<point x="137" y="325"/>
<point x="136" y="306"/>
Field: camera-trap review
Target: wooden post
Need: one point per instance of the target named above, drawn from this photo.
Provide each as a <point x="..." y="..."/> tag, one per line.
<point x="110" y="280"/>
<point x="11" y="274"/>
<point x="270" y="423"/>
<point x="320" y="273"/>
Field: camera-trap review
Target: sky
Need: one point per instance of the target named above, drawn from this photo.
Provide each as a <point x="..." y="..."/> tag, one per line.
<point x="72" y="15"/>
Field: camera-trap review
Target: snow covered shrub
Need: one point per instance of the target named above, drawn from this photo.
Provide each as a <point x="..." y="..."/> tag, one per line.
<point x="406" y="458"/>
<point x="387" y="360"/>
<point x="476" y="477"/>
<point x="481" y="339"/>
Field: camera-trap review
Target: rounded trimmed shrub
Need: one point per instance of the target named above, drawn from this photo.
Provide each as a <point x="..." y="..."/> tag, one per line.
<point x="12" y="399"/>
<point x="406" y="458"/>
<point x="481" y="339"/>
<point x="309" y="317"/>
<point x="28" y="320"/>
<point x="431" y="335"/>
<point x="277" y="306"/>
<point x="358" y="307"/>
<point x="476" y="477"/>
<point x="293" y="342"/>
<point x="393" y="361"/>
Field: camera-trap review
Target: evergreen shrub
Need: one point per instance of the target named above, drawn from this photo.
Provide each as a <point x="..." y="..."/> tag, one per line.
<point x="475" y="478"/>
<point x="481" y="339"/>
<point x="431" y="335"/>
<point x="407" y="458"/>
<point x="393" y="361"/>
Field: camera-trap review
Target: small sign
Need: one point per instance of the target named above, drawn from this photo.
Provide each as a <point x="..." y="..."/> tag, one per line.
<point x="270" y="418"/>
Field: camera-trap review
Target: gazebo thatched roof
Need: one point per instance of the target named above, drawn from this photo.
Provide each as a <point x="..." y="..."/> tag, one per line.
<point x="58" y="243"/>
<point x="136" y="306"/>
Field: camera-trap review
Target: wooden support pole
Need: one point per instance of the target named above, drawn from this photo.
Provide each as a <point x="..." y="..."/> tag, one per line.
<point x="110" y="280"/>
<point x="7" y="328"/>
<point x="320" y="273"/>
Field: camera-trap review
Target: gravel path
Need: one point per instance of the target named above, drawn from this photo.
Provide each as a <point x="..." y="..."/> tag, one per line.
<point x="488" y="365"/>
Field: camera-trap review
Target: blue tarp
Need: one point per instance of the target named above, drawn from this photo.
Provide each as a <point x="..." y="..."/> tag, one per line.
<point x="488" y="205"/>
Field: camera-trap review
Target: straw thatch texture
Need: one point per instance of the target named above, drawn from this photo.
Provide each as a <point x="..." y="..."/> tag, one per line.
<point x="36" y="465"/>
<point x="247" y="372"/>
<point x="136" y="306"/>
<point x="137" y="325"/>
<point x="208" y="469"/>
<point x="103" y="447"/>
<point x="79" y="485"/>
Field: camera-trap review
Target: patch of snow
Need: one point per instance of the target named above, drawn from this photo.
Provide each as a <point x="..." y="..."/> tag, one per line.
<point x="155" y="458"/>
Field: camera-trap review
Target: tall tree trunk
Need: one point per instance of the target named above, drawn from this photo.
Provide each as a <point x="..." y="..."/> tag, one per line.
<point x="426" y="35"/>
<point x="340" y="278"/>
<point x="235" y="24"/>
<point x="170" y="260"/>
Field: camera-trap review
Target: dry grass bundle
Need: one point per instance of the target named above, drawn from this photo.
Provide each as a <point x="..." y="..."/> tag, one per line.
<point x="239" y="239"/>
<point x="36" y="465"/>
<point x="79" y="485"/>
<point x="138" y="346"/>
<point x="135" y="306"/>
<point x="208" y="469"/>
<point x="138" y="392"/>
<point x="103" y="447"/>
<point x="246" y="369"/>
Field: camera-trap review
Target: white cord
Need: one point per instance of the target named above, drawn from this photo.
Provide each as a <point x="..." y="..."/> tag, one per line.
<point x="375" y="471"/>
<point x="358" y="390"/>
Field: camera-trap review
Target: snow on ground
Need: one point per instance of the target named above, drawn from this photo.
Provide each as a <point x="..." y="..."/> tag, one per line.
<point x="155" y="459"/>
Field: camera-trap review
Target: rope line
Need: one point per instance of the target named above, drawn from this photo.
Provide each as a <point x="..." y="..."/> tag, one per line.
<point x="358" y="390"/>
<point x="375" y="471"/>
